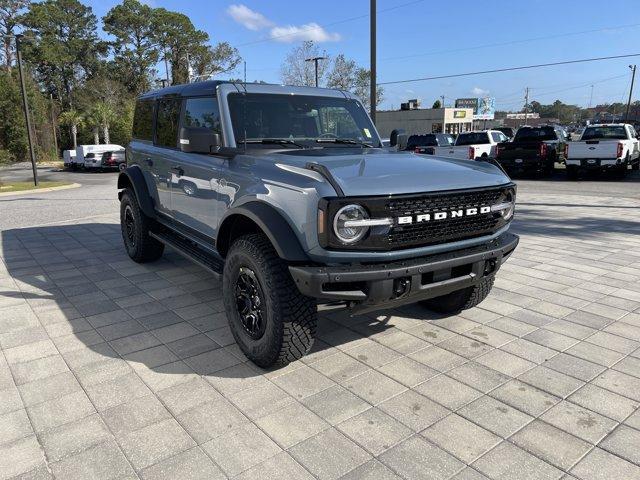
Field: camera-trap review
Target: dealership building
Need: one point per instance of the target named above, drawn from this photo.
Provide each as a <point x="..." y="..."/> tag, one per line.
<point x="418" y="121"/>
<point x="415" y="120"/>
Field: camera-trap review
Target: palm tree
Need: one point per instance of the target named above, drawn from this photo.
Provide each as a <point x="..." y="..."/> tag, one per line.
<point x="92" y="120"/>
<point x="105" y="115"/>
<point x="74" y="120"/>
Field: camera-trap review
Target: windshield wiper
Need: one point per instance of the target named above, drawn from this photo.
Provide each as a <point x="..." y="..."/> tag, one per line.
<point x="344" y="141"/>
<point x="274" y="141"/>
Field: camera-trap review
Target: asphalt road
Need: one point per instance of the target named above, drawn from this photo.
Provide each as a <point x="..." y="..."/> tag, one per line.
<point x="97" y="195"/>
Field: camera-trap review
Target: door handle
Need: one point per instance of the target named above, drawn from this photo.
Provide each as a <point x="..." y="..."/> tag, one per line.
<point x="179" y="170"/>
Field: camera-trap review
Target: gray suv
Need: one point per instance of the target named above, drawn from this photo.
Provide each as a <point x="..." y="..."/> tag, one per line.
<point x="287" y="194"/>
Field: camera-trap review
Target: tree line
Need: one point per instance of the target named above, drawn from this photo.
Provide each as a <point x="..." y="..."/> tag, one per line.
<point x="82" y="85"/>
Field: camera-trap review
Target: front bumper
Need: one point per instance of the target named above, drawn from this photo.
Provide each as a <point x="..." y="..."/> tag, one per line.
<point x="374" y="286"/>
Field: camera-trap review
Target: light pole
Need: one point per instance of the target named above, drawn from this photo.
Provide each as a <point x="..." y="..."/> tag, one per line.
<point x="633" y="77"/>
<point x="25" y="106"/>
<point x="315" y="60"/>
<point x="372" y="81"/>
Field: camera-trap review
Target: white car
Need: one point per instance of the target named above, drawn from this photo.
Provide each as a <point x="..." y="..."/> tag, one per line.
<point x="473" y="145"/>
<point x="612" y="146"/>
<point x="90" y="156"/>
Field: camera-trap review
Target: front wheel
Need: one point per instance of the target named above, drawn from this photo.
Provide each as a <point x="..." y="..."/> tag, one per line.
<point x="455" y="302"/>
<point x="135" y="226"/>
<point x="271" y="321"/>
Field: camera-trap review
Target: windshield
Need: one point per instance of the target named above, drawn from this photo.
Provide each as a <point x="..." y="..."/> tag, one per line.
<point x="304" y="119"/>
<point x="612" y="132"/>
<point x="477" y="138"/>
<point x="536" y="134"/>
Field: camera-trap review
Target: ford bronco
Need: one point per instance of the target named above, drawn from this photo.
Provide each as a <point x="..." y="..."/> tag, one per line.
<point x="287" y="194"/>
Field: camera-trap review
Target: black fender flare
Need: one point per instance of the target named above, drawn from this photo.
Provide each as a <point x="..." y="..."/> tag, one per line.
<point x="134" y="178"/>
<point x="272" y="223"/>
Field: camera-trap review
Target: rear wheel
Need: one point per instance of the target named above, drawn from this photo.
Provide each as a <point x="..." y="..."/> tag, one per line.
<point x="572" y="173"/>
<point x="135" y="226"/>
<point x="455" y="302"/>
<point x="272" y="322"/>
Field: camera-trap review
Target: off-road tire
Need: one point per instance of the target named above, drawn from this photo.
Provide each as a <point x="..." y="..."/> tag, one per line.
<point x="290" y="317"/>
<point x="141" y="247"/>
<point x="455" y="302"/>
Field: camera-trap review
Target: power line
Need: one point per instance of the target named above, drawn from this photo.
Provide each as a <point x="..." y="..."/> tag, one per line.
<point x="511" y="42"/>
<point x="510" y="69"/>
<point x="319" y="27"/>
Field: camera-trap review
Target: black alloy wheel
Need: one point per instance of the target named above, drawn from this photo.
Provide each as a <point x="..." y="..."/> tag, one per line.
<point x="250" y="303"/>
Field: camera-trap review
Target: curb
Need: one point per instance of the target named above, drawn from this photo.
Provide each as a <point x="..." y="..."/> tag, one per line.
<point x="40" y="190"/>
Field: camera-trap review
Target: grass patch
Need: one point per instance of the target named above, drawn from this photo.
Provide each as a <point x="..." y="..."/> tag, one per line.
<point x="21" y="186"/>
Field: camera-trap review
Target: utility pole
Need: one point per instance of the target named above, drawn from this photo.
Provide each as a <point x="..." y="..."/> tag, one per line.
<point x="526" y="105"/>
<point x="315" y="60"/>
<point x="25" y="105"/>
<point x="590" y="97"/>
<point x="53" y="124"/>
<point x="633" y="77"/>
<point x="442" y="97"/>
<point x="372" y="81"/>
<point x="245" y="72"/>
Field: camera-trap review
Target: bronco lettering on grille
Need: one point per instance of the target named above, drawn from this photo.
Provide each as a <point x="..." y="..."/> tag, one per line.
<point x="428" y="217"/>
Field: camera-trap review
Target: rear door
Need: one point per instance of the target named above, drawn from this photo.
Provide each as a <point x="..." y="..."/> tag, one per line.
<point x="198" y="179"/>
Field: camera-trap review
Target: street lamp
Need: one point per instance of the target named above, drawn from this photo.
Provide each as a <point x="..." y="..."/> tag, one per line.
<point x="315" y="60"/>
<point x="25" y="104"/>
<point x="633" y="77"/>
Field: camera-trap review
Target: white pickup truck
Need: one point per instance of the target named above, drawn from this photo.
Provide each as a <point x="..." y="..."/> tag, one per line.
<point x="472" y="145"/>
<point x="612" y="146"/>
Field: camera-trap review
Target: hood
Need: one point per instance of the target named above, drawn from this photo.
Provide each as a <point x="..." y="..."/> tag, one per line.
<point x="380" y="172"/>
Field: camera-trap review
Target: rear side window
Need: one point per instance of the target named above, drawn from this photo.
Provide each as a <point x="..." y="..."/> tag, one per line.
<point x="167" y="122"/>
<point x="143" y="120"/>
<point x="474" y="138"/>
<point x="202" y="112"/>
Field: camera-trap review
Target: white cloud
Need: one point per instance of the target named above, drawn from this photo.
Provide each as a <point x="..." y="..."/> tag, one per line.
<point x="249" y="18"/>
<point x="310" y="31"/>
<point x="479" y="91"/>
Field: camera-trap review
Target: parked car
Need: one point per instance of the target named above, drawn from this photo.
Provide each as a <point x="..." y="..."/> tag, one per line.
<point x="533" y="149"/>
<point x="320" y="211"/>
<point x="90" y="156"/>
<point x="613" y="146"/>
<point x="114" y="159"/>
<point x="425" y="143"/>
<point x="473" y="145"/>
<point x="69" y="159"/>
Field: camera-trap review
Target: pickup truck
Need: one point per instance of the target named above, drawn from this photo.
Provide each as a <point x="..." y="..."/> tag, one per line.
<point x="533" y="149"/>
<point x="294" y="201"/>
<point x="473" y="145"/>
<point x="426" y="143"/>
<point x="604" y="147"/>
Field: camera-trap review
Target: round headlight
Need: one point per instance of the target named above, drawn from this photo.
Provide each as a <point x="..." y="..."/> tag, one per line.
<point x="509" y="199"/>
<point x="349" y="233"/>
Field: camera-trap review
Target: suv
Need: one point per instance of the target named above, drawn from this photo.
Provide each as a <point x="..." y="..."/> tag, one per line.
<point x="287" y="194"/>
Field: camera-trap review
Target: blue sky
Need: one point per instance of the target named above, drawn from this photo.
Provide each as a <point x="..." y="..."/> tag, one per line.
<point x="439" y="39"/>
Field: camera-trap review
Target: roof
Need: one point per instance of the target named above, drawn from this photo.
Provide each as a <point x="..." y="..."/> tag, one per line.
<point x="209" y="88"/>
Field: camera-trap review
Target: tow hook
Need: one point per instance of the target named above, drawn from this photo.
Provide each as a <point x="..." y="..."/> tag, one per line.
<point x="401" y="287"/>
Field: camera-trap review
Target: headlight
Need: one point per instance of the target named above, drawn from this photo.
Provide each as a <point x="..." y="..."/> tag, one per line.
<point x="345" y="223"/>
<point x="507" y="205"/>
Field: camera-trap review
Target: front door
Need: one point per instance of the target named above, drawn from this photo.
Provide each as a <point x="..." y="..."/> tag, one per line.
<point x="196" y="178"/>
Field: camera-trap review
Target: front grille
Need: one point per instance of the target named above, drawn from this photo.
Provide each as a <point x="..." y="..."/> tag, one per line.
<point x="440" y="231"/>
<point x="416" y="234"/>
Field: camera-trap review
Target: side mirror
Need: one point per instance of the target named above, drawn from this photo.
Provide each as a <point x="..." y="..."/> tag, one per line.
<point x="402" y="141"/>
<point x="393" y="137"/>
<point x="199" y="140"/>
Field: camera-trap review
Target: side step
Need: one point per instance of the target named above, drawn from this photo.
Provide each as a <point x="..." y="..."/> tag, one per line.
<point x="209" y="260"/>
